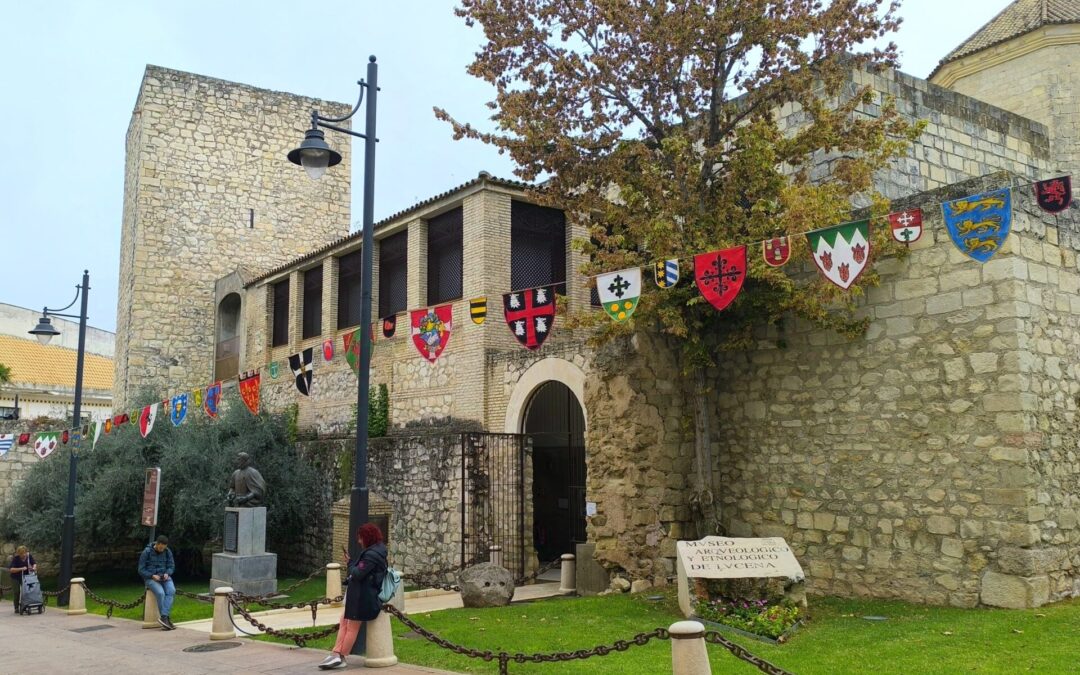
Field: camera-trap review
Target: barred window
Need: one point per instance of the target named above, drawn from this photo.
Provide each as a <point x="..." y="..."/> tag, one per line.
<point x="350" y="268"/>
<point x="312" y="302"/>
<point x="280" y="291"/>
<point x="393" y="279"/>
<point x="537" y="247"/>
<point x="444" y="257"/>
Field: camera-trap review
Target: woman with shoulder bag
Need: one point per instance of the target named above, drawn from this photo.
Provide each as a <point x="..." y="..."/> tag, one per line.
<point x="365" y="577"/>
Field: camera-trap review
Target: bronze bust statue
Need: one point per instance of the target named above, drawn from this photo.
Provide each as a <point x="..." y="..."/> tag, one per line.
<point x="246" y="485"/>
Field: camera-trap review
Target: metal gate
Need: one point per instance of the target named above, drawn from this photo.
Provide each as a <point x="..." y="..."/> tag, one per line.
<point x="493" y="498"/>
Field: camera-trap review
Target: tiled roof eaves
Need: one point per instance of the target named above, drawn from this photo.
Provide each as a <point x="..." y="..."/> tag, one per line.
<point x="957" y="55"/>
<point x="484" y="176"/>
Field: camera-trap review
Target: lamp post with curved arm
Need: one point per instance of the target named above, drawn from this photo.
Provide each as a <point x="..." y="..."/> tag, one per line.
<point x="315" y="155"/>
<point x="44" y="332"/>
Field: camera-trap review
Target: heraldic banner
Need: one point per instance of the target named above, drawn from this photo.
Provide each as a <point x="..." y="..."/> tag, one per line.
<point x="249" y="390"/>
<point x="720" y="275"/>
<point x="619" y="292"/>
<point x="841" y="253"/>
<point x="431" y="330"/>
<point x="530" y="315"/>
<point x="979" y="224"/>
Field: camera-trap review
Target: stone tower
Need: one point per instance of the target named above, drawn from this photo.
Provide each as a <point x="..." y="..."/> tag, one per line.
<point x="1027" y="61"/>
<point x="208" y="192"/>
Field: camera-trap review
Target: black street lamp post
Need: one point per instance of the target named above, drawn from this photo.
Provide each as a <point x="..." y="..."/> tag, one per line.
<point x="315" y="156"/>
<point x="44" y="332"/>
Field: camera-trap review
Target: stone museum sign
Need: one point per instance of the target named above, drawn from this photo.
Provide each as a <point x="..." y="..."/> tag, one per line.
<point x="733" y="558"/>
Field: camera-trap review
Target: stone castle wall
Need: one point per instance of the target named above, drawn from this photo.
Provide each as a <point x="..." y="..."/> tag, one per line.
<point x="935" y="459"/>
<point x="207" y="189"/>
<point x="964" y="138"/>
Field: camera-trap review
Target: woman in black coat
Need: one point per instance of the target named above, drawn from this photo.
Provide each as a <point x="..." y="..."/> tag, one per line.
<point x="365" y="578"/>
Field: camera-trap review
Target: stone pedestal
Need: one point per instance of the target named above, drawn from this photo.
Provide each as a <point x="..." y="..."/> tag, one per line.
<point x="244" y="565"/>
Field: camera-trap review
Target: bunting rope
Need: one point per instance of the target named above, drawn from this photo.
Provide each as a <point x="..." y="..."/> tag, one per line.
<point x="978" y="225"/>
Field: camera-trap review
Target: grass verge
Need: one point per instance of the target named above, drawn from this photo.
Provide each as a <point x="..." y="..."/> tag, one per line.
<point x="836" y="639"/>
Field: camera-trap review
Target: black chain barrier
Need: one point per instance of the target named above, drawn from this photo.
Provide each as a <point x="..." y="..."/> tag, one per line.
<point x="436" y="579"/>
<point x="313" y="605"/>
<point x="53" y="594"/>
<point x="714" y="637"/>
<point x="433" y="579"/>
<point x="298" y="584"/>
<point x="504" y="658"/>
<point x="113" y="604"/>
<point x="198" y="597"/>
<point x="543" y="569"/>
<point x="300" y="639"/>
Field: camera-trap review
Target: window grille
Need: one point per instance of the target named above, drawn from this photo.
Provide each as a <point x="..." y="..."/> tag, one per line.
<point x="312" y="318"/>
<point x="537" y="247"/>
<point x="393" y="276"/>
<point x="349" y="290"/>
<point x="444" y="257"/>
<point x="281" y="313"/>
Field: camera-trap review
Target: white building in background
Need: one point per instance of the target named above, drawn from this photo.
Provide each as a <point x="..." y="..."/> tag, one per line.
<point x="43" y="377"/>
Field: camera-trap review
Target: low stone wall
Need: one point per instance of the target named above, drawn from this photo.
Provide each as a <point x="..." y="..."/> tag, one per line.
<point x="418" y="476"/>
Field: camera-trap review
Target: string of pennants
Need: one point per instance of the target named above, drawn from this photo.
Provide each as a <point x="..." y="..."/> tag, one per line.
<point x="978" y="225"/>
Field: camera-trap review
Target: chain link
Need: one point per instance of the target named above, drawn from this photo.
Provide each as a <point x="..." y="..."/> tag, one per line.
<point x="433" y="580"/>
<point x="113" y="604"/>
<point x="543" y="569"/>
<point x="194" y="596"/>
<point x="504" y="658"/>
<point x="714" y="637"/>
<point x="53" y="594"/>
<point x="300" y="639"/>
<point x="298" y="584"/>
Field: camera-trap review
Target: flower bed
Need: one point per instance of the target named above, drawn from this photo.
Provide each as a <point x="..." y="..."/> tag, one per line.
<point x="757" y="617"/>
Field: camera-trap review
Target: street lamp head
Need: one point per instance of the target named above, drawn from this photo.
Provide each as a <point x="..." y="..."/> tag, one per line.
<point x="44" y="330"/>
<point x="314" y="154"/>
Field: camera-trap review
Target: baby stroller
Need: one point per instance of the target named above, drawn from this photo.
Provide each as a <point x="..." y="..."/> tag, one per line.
<point x="30" y="594"/>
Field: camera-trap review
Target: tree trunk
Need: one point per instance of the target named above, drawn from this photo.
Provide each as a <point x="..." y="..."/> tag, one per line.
<point x="703" y="501"/>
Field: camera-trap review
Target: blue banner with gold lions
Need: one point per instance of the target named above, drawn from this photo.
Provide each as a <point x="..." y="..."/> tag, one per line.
<point x="979" y="224"/>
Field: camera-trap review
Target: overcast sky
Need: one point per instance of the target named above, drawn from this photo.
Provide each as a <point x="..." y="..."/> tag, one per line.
<point x="70" y="71"/>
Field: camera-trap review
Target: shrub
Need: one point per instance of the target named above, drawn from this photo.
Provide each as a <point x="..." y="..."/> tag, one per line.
<point x="196" y="460"/>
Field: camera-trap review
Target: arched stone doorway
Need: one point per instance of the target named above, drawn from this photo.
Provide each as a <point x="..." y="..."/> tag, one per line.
<point x="227" y="350"/>
<point x="554" y="420"/>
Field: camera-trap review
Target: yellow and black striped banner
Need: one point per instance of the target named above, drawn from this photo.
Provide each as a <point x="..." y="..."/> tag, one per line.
<point x="478" y="310"/>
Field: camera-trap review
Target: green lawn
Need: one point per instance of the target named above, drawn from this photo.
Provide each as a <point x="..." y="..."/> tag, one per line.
<point x="913" y="639"/>
<point x="125" y="588"/>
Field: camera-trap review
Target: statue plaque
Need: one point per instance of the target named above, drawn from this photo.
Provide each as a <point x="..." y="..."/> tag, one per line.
<point x="232" y="527"/>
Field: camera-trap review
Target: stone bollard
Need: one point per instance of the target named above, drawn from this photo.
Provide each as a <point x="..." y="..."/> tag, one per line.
<point x="77" y="597"/>
<point x="333" y="582"/>
<point x="380" y="643"/>
<point x="688" y="653"/>
<point x="150" y="612"/>
<point x="222" y="629"/>
<point x="567" y="580"/>
<point x="495" y="554"/>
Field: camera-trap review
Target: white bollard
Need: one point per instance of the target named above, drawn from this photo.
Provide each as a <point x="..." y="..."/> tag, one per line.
<point x="222" y="629"/>
<point x="77" y="597"/>
<point x="495" y="554"/>
<point x="688" y="653"/>
<point x="380" y="643"/>
<point x="568" y="574"/>
<point x="150" y="611"/>
<point x="333" y="582"/>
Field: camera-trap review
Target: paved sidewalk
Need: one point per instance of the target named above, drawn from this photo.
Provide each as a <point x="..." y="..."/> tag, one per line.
<point x="54" y="642"/>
